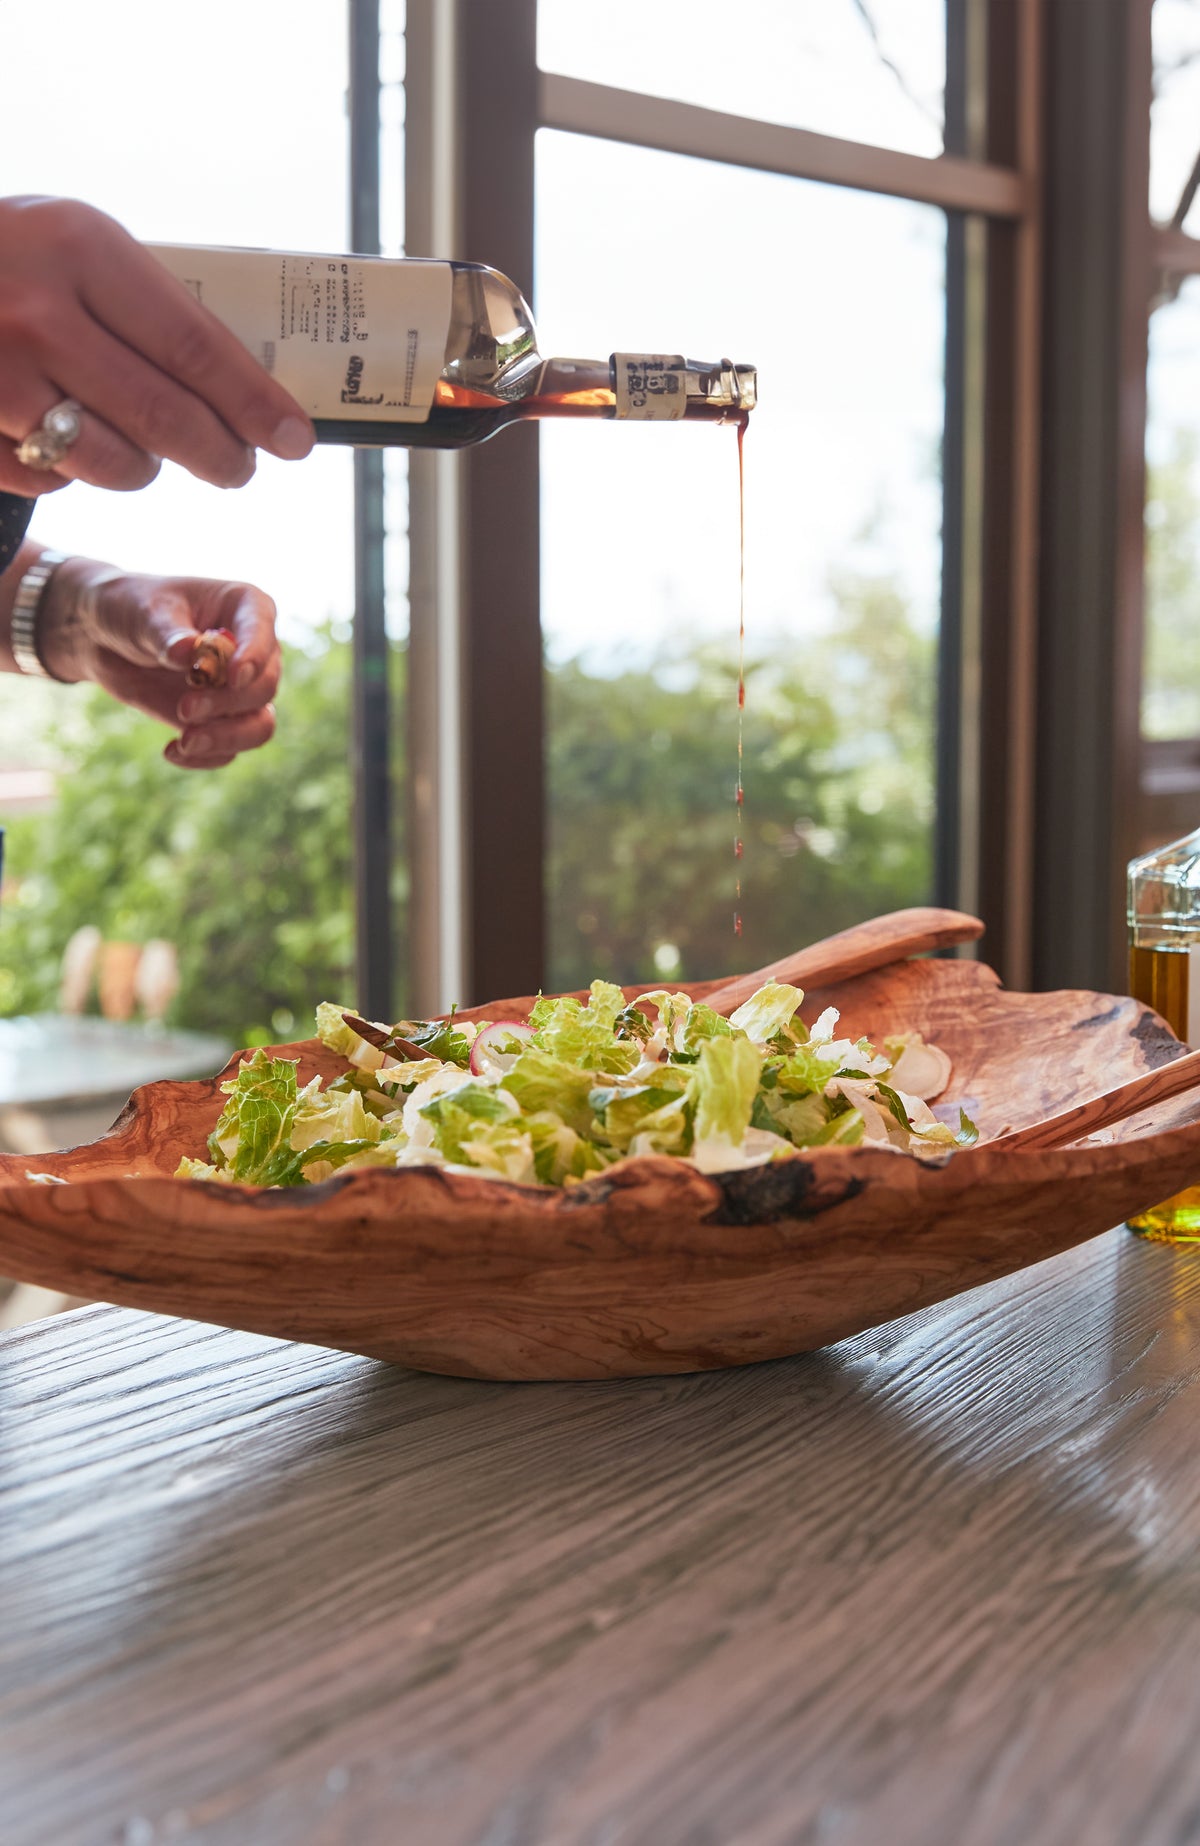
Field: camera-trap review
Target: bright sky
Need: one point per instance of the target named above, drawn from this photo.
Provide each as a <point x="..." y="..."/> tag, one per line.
<point x="1175" y="113"/>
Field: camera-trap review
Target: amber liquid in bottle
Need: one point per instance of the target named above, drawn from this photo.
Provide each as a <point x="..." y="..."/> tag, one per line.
<point x="1159" y="977"/>
<point x="1164" y="972"/>
<point x="461" y="415"/>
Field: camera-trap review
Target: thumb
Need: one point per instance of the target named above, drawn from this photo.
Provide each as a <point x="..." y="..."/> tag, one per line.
<point x="139" y="618"/>
<point x="169" y="629"/>
<point x="182" y="642"/>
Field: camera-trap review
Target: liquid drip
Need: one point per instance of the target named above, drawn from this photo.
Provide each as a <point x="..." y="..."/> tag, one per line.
<point x="740" y="798"/>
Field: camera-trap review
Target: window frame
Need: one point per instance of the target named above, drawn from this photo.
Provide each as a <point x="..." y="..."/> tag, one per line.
<point x="477" y="833"/>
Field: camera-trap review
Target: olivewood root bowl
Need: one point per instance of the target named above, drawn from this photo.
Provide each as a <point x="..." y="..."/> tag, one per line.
<point x="651" y="1267"/>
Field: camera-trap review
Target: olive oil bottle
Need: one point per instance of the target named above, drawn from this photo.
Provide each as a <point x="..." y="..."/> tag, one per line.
<point x="400" y="352"/>
<point x="1164" y="971"/>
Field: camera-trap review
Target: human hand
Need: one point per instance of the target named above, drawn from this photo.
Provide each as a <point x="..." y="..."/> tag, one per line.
<point x="134" y="635"/>
<point x="86" y="313"/>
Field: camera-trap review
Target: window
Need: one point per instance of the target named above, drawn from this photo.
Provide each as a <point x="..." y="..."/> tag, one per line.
<point x="925" y="221"/>
<point x="1170" y="692"/>
<point x="872" y="72"/>
<point x="656" y="202"/>
<point x="640" y="548"/>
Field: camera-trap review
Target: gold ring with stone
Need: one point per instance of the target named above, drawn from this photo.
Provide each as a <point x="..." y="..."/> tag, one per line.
<point x="45" y="446"/>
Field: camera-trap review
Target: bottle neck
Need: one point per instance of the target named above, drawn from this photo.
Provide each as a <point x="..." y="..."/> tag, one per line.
<point x="637" y="387"/>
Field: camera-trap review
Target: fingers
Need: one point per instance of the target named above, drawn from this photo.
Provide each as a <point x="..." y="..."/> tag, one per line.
<point x="140" y="633"/>
<point x="152" y="411"/>
<point x="99" y="453"/>
<point x="86" y="312"/>
<point x="153" y="622"/>
<point x="212" y="745"/>
<point x="254" y="668"/>
<point x="207" y="745"/>
<point x="184" y="606"/>
<point x="131" y="293"/>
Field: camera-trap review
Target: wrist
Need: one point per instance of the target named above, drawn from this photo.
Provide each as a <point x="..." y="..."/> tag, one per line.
<point x="66" y="618"/>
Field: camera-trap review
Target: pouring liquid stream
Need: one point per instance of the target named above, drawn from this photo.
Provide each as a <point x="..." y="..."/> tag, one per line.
<point x="740" y="795"/>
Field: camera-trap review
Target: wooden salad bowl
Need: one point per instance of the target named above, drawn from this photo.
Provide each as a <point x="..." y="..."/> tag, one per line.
<point x="651" y="1267"/>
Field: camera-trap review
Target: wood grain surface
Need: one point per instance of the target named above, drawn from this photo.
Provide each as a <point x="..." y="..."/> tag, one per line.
<point x="1132" y="1098"/>
<point x="936" y="1586"/>
<point x="651" y="1267"/>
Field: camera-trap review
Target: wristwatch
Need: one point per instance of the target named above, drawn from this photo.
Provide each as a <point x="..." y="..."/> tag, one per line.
<point x="24" y="629"/>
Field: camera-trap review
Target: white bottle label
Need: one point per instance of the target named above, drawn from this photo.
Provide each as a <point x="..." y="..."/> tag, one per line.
<point x="351" y="337"/>
<point x="650" y="386"/>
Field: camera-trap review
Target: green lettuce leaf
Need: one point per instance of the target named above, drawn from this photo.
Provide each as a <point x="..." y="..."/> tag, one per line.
<point x="767" y="1012"/>
<point x="333" y="1031"/>
<point x="252" y="1138"/>
<point x="800" y="1119"/>
<point x="843" y="1130"/>
<point x="582" y="1034"/>
<point x="700" y="1025"/>
<point x="559" y="1154"/>
<point x="332" y="1116"/>
<point x="724" y="1085"/>
<point x="802" y="1072"/>
<point x="474" y="1126"/>
<point x="938" y="1134"/>
<point x="539" y="1081"/>
<point x="656" y="1114"/>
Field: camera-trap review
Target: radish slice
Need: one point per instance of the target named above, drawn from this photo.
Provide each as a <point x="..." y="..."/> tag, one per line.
<point x="497" y="1048"/>
<point x="921" y="1070"/>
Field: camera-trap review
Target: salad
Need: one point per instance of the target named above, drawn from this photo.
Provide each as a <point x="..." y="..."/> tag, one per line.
<point x="582" y="1085"/>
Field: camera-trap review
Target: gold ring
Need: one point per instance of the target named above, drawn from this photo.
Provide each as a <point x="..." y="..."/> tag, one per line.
<point x="45" y="446"/>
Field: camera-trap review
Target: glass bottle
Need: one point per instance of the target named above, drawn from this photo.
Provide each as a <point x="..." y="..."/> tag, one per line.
<point x="397" y="351"/>
<point x="1164" y="972"/>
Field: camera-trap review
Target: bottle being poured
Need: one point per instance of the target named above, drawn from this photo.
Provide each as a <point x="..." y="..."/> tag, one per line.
<point x="388" y="352"/>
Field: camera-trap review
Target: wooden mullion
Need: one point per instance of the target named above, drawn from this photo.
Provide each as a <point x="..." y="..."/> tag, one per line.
<point x="501" y="623"/>
<point x="954" y="183"/>
<point x="1098" y="259"/>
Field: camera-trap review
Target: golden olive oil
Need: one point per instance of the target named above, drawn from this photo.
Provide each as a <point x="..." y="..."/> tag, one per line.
<point x="1164" y="972"/>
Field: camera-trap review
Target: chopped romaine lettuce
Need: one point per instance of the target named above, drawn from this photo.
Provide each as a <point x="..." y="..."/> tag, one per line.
<point x="585" y="1084"/>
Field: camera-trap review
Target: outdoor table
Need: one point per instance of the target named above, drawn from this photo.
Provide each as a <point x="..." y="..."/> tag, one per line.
<point x="64" y="1078"/>
<point x="938" y="1584"/>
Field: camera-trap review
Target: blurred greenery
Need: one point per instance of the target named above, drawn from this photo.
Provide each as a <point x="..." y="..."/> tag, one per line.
<point x="248" y="870"/>
<point x="1171" y="690"/>
<point x="837" y="822"/>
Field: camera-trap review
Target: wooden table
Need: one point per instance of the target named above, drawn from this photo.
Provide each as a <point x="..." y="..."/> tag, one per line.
<point x="939" y="1584"/>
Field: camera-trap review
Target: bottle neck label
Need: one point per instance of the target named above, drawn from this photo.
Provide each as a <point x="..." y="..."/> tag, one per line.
<point x="650" y="387"/>
<point x="349" y="336"/>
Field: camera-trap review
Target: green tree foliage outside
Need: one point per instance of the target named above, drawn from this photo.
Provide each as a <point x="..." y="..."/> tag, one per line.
<point x="837" y="822"/>
<point x="248" y="870"/>
<point x="1171" y="689"/>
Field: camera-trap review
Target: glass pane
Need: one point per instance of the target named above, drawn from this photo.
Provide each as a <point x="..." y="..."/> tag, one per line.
<point x="838" y="299"/>
<point x="1175" y="111"/>
<point x="1171" y="686"/>
<point x="246" y="870"/>
<point x="866" y="70"/>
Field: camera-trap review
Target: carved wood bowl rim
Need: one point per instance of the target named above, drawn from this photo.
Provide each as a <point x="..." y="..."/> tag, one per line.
<point x="649" y="1267"/>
